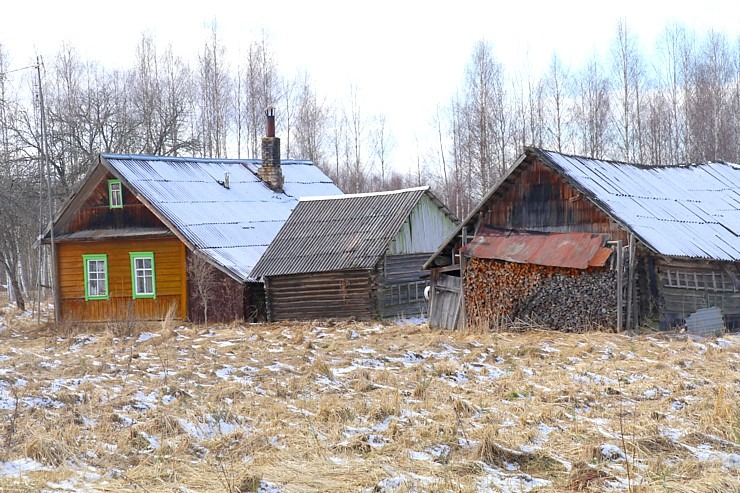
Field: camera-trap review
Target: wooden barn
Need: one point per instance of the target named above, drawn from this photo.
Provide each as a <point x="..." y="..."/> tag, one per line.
<point x="354" y="256"/>
<point x="125" y="240"/>
<point x="573" y="242"/>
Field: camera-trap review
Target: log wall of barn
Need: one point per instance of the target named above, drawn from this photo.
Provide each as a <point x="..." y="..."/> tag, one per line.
<point x="169" y="266"/>
<point x="401" y="288"/>
<point x="686" y="286"/>
<point x="537" y="198"/>
<point x="321" y="295"/>
<point x="498" y="292"/>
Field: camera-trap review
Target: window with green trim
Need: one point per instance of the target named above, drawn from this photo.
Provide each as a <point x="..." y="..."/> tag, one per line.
<point x="115" y="194"/>
<point x="143" y="281"/>
<point x="96" y="276"/>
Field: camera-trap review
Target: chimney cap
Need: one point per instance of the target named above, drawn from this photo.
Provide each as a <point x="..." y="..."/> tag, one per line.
<point x="270" y="126"/>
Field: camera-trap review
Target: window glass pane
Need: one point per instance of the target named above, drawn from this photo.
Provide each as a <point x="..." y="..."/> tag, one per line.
<point x="96" y="278"/>
<point x="143" y="272"/>
<point x="116" y="199"/>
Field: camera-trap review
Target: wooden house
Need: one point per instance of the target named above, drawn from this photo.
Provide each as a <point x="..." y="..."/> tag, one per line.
<point x="354" y="256"/>
<point x="572" y="242"/>
<point x="125" y="239"/>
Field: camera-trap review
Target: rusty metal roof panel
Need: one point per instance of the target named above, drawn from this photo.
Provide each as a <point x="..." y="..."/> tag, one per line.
<point x="346" y="232"/>
<point x="680" y="211"/>
<point x="573" y="250"/>
<point x="232" y="226"/>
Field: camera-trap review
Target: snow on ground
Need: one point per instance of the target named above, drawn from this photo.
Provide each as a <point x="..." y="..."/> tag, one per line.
<point x="371" y="408"/>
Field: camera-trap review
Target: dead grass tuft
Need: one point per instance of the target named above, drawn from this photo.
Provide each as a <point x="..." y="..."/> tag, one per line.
<point x="584" y="477"/>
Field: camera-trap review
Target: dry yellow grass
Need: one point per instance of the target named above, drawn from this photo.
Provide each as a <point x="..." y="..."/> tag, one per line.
<point x="365" y="407"/>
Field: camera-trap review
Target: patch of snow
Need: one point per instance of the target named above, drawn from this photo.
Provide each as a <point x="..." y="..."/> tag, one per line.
<point x="153" y="441"/>
<point x="145" y="402"/>
<point x="409" y="481"/>
<point x="543" y="435"/>
<point x="145" y="336"/>
<point x="705" y="453"/>
<point x="80" y="341"/>
<point x="419" y="455"/>
<point x="18" y="466"/>
<point x="612" y="452"/>
<point x="656" y="392"/>
<point x="279" y="366"/>
<point x="343" y="371"/>
<point x="723" y="343"/>
<point x="64" y="485"/>
<point x="671" y="433"/>
<point x="591" y="377"/>
<point x="500" y="481"/>
<point x="210" y="428"/>
<point x="267" y="487"/>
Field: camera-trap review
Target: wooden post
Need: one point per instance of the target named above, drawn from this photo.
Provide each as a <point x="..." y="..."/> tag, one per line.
<point x="620" y="262"/>
<point x="631" y="322"/>
<point x="461" y="306"/>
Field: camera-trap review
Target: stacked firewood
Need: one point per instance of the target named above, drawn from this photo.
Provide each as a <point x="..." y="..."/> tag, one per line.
<point x="574" y="303"/>
<point x="499" y="292"/>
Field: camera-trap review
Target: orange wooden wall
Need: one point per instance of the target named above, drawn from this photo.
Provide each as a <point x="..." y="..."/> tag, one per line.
<point x="169" y="268"/>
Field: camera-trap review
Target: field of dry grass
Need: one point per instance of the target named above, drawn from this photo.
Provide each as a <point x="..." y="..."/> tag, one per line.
<point x="345" y="407"/>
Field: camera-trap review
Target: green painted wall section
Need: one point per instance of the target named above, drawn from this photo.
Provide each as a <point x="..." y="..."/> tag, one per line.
<point x="426" y="228"/>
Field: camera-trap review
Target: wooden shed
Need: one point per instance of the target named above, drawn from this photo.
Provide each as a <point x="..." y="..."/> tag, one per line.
<point x="574" y="242"/>
<point x="354" y="256"/>
<point x="123" y="240"/>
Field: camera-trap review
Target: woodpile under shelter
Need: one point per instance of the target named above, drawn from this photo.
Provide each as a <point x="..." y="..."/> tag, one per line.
<point x="125" y="240"/>
<point x="354" y="256"/>
<point x="572" y="242"/>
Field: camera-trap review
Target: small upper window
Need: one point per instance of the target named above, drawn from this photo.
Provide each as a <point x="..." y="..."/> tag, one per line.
<point x="115" y="194"/>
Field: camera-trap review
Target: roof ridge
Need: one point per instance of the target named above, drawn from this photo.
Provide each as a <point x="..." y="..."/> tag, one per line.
<point x="364" y="194"/>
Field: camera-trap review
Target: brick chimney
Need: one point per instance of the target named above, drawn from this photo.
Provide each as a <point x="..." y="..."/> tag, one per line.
<point x="270" y="171"/>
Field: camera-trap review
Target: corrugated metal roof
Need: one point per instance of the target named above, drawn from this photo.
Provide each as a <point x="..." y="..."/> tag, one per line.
<point x="574" y="250"/>
<point x="231" y="226"/>
<point x="679" y="211"/>
<point x="339" y="233"/>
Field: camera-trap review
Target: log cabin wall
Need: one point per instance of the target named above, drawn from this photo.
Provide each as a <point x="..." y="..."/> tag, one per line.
<point x="685" y="286"/>
<point x="169" y="266"/>
<point x="401" y="288"/>
<point x="321" y="295"/>
<point x="537" y="198"/>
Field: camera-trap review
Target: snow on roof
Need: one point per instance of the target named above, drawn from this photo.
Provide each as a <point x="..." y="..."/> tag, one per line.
<point x="679" y="211"/>
<point x="232" y="226"/>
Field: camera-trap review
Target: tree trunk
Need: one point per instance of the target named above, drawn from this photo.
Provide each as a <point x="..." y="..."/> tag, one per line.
<point x="15" y="288"/>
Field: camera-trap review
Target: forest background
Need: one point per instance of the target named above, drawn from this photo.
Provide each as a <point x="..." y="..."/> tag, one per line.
<point x="678" y="104"/>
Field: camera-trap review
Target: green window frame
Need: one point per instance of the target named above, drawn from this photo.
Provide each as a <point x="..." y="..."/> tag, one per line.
<point x="96" y="276"/>
<point x="115" y="194"/>
<point x="143" y="278"/>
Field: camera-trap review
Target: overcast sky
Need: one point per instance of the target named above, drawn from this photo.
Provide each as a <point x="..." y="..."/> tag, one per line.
<point x="405" y="57"/>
